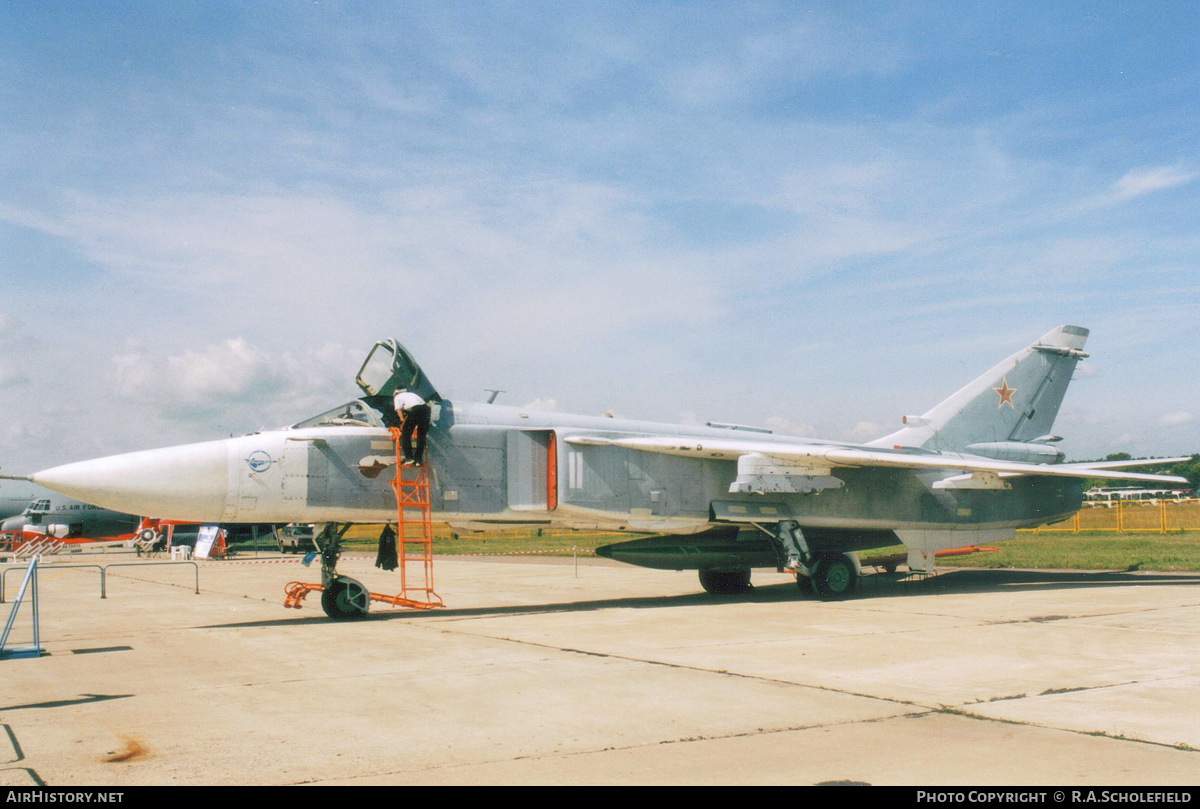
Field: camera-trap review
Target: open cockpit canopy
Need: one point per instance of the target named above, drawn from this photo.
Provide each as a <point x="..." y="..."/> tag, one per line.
<point x="389" y="367"/>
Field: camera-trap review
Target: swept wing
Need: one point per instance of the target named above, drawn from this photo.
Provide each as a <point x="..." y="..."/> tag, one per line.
<point x="820" y="459"/>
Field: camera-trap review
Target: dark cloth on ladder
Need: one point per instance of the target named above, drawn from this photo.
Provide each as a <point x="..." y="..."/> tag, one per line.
<point x="387" y="558"/>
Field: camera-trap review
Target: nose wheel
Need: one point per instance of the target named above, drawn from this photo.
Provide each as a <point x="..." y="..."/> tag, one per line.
<point x="345" y="599"/>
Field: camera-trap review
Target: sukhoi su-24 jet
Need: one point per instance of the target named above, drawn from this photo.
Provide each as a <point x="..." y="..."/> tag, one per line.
<point x="720" y="499"/>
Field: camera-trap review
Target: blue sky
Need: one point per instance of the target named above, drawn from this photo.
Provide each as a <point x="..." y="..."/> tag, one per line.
<point x="817" y="217"/>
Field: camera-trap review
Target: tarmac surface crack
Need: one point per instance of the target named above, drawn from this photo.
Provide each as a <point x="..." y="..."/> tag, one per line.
<point x="631" y="747"/>
<point x="685" y="667"/>
<point x="1120" y="737"/>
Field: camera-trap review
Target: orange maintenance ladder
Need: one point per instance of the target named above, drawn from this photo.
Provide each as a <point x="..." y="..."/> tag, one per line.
<point x="414" y="533"/>
<point x="414" y="541"/>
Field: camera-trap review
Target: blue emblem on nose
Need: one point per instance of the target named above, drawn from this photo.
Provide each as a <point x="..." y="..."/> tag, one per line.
<point x="259" y="461"/>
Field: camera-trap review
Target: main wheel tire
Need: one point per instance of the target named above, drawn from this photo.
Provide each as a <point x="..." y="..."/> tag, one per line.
<point x="345" y="599"/>
<point x="834" y="576"/>
<point x="725" y="582"/>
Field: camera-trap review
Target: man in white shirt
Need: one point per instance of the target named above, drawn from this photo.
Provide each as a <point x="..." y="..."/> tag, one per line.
<point x="414" y="414"/>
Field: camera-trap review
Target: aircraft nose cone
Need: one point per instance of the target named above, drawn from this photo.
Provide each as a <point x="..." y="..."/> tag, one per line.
<point x="179" y="483"/>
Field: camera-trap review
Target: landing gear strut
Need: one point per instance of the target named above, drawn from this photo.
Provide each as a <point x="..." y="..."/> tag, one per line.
<point x="343" y="598"/>
<point x="829" y="574"/>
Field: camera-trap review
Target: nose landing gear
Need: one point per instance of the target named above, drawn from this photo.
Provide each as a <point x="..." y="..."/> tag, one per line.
<point x="345" y="599"/>
<point x="342" y="598"/>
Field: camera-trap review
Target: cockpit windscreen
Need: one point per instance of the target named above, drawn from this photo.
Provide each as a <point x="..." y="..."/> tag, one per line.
<point x="352" y="414"/>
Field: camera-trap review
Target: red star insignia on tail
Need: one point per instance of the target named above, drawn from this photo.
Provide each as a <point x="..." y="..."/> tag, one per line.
<point x="1006" y="393"/>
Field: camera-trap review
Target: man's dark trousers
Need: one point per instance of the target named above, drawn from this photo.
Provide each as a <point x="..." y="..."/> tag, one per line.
<point x="416" y="420"/>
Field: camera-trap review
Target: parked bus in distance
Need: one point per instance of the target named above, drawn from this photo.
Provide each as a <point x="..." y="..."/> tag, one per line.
<point x="1150" y="497"/>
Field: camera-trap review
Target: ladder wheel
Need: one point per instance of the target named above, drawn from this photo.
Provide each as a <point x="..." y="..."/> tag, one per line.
<point x="345" y="599"/>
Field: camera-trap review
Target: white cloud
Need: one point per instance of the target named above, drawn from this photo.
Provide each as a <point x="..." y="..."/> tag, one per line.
<point x="542" y="404"/>
<point x="792" y="54"/>
<point x="227" y="372"/>
<point x="867" y="431"/>
<point x="483" y="254"/>
<point x="1174" y="419"/>
<point x="232" y="374"/>
<point x="1139" y="182"/>
<point x="778" y="424"/>
<point x="1143" y="181"/>
<point x="11" y="374"/>
<point x="23" y="431"/>
<point x="15" y="335"/>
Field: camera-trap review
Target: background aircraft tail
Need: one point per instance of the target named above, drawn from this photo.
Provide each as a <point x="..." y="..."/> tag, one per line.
<point x="1015" y="401"/>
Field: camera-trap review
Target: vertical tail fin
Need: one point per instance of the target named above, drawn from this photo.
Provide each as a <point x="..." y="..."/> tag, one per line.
<point x="1017" y="400"/>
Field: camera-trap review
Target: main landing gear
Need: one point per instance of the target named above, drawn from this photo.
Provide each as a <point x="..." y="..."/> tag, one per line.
<point x="831" y="577"/>
<point x="830" y="574"/>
